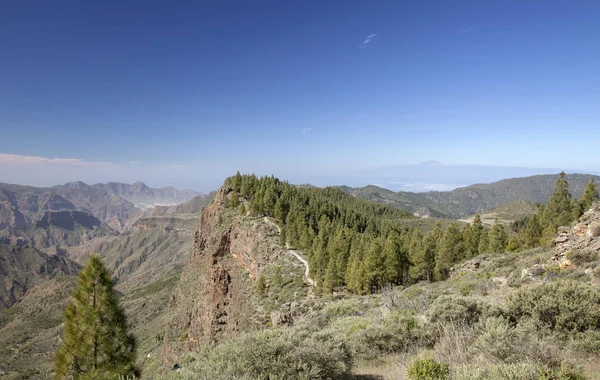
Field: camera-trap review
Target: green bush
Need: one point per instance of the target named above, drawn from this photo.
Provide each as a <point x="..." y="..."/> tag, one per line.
<point x="369" y="338"/>
<point x="496" y="340"/>
<point x="343" y="308"/>
<point x="427" y="369"/>
<point x="580" y="257"/>
<point x="587" y="342"/>
<point x="466" y="288"/>
<point x="296" y="354"/>
<point x="511" y="371"/>
<point x="564" y="306"/>
<point x="460" y="310"/>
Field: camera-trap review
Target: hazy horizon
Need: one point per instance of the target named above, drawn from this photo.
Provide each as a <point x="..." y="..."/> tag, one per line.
<point x="421" y="177"/>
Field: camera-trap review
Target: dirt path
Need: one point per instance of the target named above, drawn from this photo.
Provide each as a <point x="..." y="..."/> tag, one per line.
<point x="295" y="253"/>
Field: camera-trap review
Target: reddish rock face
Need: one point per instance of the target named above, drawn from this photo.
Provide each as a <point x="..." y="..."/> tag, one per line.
<point x="582" y="236"/>
<point x="215" y="297"/>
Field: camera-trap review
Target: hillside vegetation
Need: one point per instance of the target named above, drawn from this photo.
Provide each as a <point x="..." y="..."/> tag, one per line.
<point x="490" y="321"/>
<point x="530" y="314"/>
<point x="467" y="201"/>
<point x="362" y="247"/>
<point x="386" y="296"/>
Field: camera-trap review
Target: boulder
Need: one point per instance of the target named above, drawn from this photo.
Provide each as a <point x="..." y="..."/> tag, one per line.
<point x="278" y="318"/>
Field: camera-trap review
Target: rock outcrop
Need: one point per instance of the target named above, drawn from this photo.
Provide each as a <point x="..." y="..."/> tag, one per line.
<point x="215" y="297"/>
<point x="585" y="235"/>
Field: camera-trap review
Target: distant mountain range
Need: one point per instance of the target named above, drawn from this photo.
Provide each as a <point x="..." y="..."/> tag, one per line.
<point x="428" y="176"/>
<point x="116" y="204"/>
<point x="469" y="200"/>
<point x="139" y="194"/>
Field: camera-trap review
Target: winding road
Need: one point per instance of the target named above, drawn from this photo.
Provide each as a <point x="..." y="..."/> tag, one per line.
<point x="295" y="254"/>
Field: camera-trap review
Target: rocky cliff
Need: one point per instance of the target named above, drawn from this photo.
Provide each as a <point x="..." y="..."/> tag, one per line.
<point x="215" y="298"/>
<point x="583" y="236"/>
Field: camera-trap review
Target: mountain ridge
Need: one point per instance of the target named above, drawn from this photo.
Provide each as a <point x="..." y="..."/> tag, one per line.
<point x="468" y="200"/>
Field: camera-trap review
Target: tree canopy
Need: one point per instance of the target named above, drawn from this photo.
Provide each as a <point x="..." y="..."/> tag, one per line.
<point x="96" y="342"/>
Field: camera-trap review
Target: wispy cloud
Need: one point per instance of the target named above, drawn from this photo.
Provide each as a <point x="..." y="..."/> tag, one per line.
<point x="369" y="38"/>
<point x="304" y="130"/>
<point x="466" y="30"/>
<point x="134" y="162"/>
<point x="17" y="159"/>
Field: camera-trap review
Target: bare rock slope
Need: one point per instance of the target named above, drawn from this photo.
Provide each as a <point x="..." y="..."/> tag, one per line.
<point x="215" y="298"/>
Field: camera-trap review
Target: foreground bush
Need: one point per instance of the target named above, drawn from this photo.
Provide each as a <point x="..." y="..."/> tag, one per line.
<point x="455" y="309"/>
<point x="369" y="338"/>
<point x="294" y="354"/>
<point x="513" y="371"/>
<point x="427" y="369"/>
<point x="563" y="306"/>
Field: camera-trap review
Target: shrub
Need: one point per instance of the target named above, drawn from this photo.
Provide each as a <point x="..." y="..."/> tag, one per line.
<point x="552" y="269"/>
<point x="343" y="308"/>
<point x="427" y="369"/>
<point x="514" y="371"/>
<point x="563" y="306"/>
<point x="461" y="310"/>
<point x="274" y="355"/>
<point x="454" y="342"/>
<point x="595" y="229"/>
<point x="580" y="257"/>
<point x="466" y="288"/>
<point x="371" y="338"/>
<point x="496" y="340"/>
<point x="587" y="343"/>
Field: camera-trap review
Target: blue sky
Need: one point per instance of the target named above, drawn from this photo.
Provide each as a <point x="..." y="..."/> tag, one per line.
<point x="185" y="93"/>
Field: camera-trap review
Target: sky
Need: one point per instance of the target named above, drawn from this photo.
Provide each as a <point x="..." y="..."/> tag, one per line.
<point x="185" y="93"/>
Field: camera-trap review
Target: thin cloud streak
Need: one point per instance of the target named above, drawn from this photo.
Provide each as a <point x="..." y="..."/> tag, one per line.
<point x="16" y="159"/>
<point x="369" y="38"/>
<point x="304" y="130"/>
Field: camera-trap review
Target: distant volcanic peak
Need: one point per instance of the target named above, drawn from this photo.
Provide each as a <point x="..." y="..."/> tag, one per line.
<point x="431" y="163"/>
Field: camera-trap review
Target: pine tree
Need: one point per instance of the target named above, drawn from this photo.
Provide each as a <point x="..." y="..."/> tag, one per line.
<point x="261" y="286"/>
<point x="353" y="282"/>
<point x="590" y="195"/>
<point x="424" y="264"/>
<point x="392" y="260"/>
<point x="236" y="182"/>
<point x="330" y="281"/>
<point x="374" y="266"/>
<point x="96" y="342"/>
<point x="559" y="210"/>
<point x="484" y="242"/>
<point x="279" y="214"/>
<point x="242" y="209"/>
<point x="277" y="280"/>
<point x="235" y="200"/>
<point x="282" y="238"/>
<point x="472" y="235"/>
<point x="416" y="254"/>
<point x="450" y="251"/>
<point x="498" y="238"/>
<point x="513" y="244"/>
<point x="532" y="233"/>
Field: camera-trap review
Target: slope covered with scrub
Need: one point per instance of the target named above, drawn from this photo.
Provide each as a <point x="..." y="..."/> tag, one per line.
<point x="534" y="314"/>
